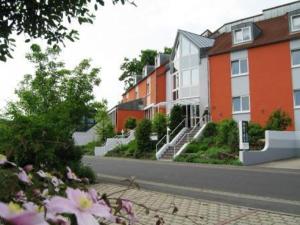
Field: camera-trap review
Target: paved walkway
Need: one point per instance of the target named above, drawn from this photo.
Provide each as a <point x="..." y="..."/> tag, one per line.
<point x="197" y="211"/>
<point x="283" y="164"/>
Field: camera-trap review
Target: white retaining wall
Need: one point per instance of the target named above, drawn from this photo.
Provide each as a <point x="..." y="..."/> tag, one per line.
<point x="84" y="138"/>
<point x="279" y="145"/>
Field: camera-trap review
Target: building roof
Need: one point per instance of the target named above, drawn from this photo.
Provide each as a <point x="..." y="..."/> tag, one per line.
<point x="273" y="31"/>
<point x="196" y="39"/>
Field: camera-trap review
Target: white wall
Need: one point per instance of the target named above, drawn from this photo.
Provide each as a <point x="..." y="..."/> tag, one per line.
<point x="84" y="138"/>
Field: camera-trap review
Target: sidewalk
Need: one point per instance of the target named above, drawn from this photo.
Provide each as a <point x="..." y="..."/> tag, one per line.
<point x="199" y="212"/>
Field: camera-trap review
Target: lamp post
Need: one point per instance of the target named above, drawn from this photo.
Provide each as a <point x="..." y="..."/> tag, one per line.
<point x="168" y="135"/>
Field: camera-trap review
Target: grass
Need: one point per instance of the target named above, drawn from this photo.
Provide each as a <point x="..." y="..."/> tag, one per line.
<point x="89" y="149"/>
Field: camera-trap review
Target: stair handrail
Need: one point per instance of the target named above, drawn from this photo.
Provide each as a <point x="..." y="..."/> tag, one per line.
<point x="194" y="128"/>
<point x="183" y="136"/>
<point x="178" y="126"/>
<point x="160" y="142"/>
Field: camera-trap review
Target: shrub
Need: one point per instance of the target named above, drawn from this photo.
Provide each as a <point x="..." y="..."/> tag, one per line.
<point x="278" y="120"/>
<point x="130" y="123"/>
<point x="142" y="136"/>
<point x="87" y="172"/>
<point x="256" y="132"/>
<point x="159" y="125"/>
<point x="176" y="116"/>
<point x="210" y="130"/>
<point x="228" y="134"/>
<point x="89" y="149"/>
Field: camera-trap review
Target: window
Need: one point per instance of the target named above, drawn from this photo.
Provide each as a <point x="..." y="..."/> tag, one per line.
<point x="296" y="57"/>
<point x="188" y="48"/>
<point x="186" y="78"/>
<point x="175" y="92"/>
<point x="239" y="67"/>
<point x="136" y="93"/>
<point x="242" y="35"/>
<point x="148" y="87"/>
<point x="195" y="77"/>
<point x="297" y="98"/>
<point x="240" y="104"/>
<point x="295" y="26"/>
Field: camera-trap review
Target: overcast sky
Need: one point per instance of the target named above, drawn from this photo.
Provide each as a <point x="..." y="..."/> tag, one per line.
<point x="122" y="31"/>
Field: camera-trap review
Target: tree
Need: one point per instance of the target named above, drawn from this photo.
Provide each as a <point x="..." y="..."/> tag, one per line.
<point x="168" y="50"/>
<point x="105" y="128"/>
<point x="133" y="67"/>
<point x="51" y="104"/>
<point x="142" y="136"/>
<point x="278" y="120"/>
<point x="159" y="125"/>
<point x="43" y="19"/>
<point x="130" y="123"/>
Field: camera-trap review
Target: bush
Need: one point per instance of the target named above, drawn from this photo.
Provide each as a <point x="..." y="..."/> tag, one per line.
<point x="210" y="130"/>
<point x="130" y="123"/>
<point x="142" y="136"/>
<point x="123" y="150"/>
<point x="228" y="134"/>
<point x="89" y="149"/>
<point x="159" y="125"/>
<point x="87" y="172"/>
<point x="256" y="133"/>
<point x="278" y="120"/>
<point x="176" y="116"/>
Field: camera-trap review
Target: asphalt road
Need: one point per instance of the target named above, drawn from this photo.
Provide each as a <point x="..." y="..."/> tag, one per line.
<point x="269" y="189"/>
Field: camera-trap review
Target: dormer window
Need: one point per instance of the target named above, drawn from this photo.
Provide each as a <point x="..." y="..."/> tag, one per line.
<point x="295" y="23"/>
<point x="242" y="35"/>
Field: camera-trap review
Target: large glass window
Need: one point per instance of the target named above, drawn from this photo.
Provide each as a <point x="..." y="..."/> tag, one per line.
<point x="186" y="78"/>
<point x="242" y="35"/>
<point x="185" y="47"/>
<point x="239" y="67"/>
<point x="195" y="77"/>
<point x="297" y="98"/>
<point x="296" y="57"/>
<point x="241" y="104"/>
<point x="295" y="22"/>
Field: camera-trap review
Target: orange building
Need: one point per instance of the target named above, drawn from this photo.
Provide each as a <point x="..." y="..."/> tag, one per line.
<point x="146" y="97"/>
<point x="255" y="67"/>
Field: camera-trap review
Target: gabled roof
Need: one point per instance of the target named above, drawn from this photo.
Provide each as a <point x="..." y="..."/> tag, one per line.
<point x="196" y="39"/>
<point x="272" y="31"/>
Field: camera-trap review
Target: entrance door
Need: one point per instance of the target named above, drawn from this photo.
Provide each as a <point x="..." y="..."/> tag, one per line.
<point x="195" y="115"/>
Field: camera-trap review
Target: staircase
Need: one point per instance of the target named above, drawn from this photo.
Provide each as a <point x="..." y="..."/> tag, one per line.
<point x="185" y="138"/>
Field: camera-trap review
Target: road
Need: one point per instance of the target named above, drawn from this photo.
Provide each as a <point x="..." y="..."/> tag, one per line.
<point x="264" y="188"/>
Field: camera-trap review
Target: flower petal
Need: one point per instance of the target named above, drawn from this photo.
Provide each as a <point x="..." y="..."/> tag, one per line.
<point x="86" y="219"/>
<point x="61" y="205"/>
<point x="4" y="212"/>
<point x="102" y="211"/>
<point x="28" y="218"/>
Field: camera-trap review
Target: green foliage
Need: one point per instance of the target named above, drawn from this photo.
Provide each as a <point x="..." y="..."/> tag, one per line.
<point x="159" y="125"/>
<point x="104" y="127"/>
<point x="168" y="50"/>
<point x="256" y="133"/>
<point x="86" y="172"/>
<point x="89" y="149"/>
<point x="51" y="104"/>
<point x="176" y="116"/>
<point x="132" y="67"/>
<point x="228" y="134"/>
<point x="210" y="130"/>
<point x="43" y="19"/>
<point x="126" y="151"/>
<point x="130" y="123"/>
<point x="143" y="140"/>
<point x="278" y="120"/>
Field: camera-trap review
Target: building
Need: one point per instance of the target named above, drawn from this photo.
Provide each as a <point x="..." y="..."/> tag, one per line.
<point x="187" y="80"/>
<point x="255" y="67"/>
<point x="146" y="97"/>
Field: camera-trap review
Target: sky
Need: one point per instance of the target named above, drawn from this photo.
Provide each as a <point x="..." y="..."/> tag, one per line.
<point x="123" y="31"/>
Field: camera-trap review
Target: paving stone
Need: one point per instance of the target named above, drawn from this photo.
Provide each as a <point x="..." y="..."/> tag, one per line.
<point x="197" y="211"/>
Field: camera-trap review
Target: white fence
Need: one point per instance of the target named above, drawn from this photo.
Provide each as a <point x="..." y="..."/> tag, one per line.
<point x="84" y="138"/>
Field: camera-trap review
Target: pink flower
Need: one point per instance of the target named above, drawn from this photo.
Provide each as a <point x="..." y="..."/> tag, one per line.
<point x="81" y="205"/>
<point x="71" y="175"/>
<point x="24" y="177"/>
<point x="28" y="168"/>
<point x="3" y="160"/>
<point x="21" y="197"/>
<point x="54" y="180"/>
<point x="16" y="215"/>
<point x="127" y="206"/>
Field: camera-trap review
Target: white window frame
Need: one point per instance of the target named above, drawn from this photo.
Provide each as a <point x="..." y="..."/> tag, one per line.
<point x="148" y="87"/>
<point x="293" y="29"/>
<point x="176" y="89"/>
<point x="243" y="41"/>
<point x="296" y="106"/>
<point x="239" y="74"/>
<point x="137" y="92"/>
<point x="241" y="105"/>
<point x="296" y="65"/>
